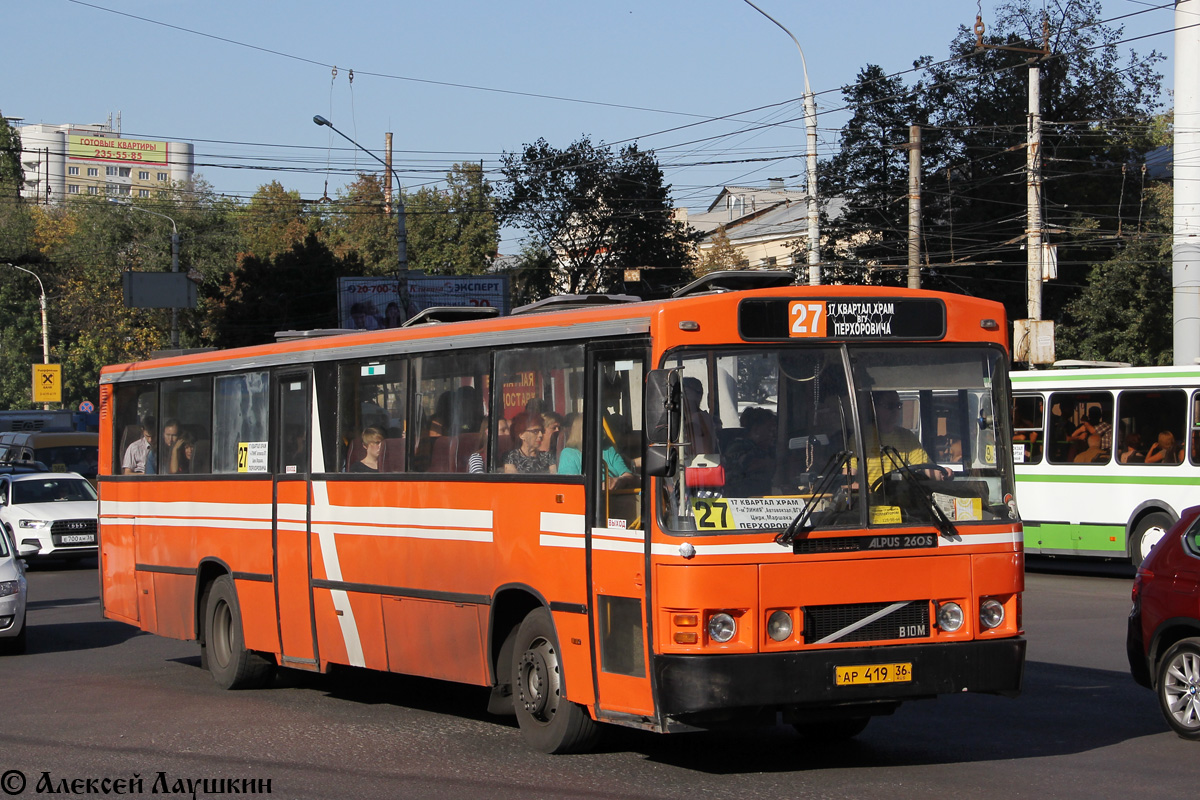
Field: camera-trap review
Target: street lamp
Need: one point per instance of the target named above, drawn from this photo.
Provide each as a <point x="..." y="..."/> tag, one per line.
<point x="401" y="235"/>
<point x="45" y="326"/>
<point x="174" y="261"/>
<point x="810" y="122"/>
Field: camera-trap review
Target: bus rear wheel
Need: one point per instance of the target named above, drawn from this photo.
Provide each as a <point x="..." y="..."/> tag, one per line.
<point x="231" y="664"/>
<point x="549" y="722"/>
<point x="1146" y="534"/>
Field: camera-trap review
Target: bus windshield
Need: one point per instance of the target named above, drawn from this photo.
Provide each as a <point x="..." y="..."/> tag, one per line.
<point x="856" y="435"/>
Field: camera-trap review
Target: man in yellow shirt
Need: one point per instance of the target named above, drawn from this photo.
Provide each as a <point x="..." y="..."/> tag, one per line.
<point x="889" y="432"/>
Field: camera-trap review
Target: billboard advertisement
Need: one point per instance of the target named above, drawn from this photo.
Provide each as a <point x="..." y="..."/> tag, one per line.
<point x="101" y="148"/>
<point x="373" y="303"/>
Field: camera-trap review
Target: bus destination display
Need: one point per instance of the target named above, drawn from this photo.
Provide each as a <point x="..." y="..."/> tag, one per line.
<point x="841" y="318"/>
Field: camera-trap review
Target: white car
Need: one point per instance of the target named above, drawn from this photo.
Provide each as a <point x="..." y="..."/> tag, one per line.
<point x="53" y="511"/>
<point x="12" y="595"/>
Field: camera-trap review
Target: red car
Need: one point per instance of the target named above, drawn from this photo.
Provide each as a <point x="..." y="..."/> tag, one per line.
<point x="1164" y="624"/>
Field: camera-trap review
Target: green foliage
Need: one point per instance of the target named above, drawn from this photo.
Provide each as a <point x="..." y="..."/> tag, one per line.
<point x="1125" y="313"/>
<point x="1097" y="109"/>
<point x="453" y="231"/>
<point x="722" y="255"/>
<point x="296" y="290"/>
<point x="870" y="172"/>
<point x="599" y="213"/>
<point x="357" y="223"/>
<point x="274" y="221"/>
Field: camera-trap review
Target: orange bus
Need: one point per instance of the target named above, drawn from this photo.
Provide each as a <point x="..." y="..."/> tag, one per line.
<point x="739" y="504"/>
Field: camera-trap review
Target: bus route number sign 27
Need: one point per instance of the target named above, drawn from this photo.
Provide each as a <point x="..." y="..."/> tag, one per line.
<point x="806" y="318"/>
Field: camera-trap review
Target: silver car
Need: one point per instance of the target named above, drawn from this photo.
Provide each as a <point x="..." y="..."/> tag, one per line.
<point x="12" y="594"/>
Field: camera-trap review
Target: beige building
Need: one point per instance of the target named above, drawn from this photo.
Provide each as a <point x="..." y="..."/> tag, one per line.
<point x="64" y="160"/>
<point x="767" y="226"/>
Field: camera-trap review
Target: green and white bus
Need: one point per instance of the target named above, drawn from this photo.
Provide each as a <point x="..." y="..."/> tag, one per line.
<point x="1106" y="457"/>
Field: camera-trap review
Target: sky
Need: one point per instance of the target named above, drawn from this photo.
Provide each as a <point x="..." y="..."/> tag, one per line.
<point x="468" y="80"/>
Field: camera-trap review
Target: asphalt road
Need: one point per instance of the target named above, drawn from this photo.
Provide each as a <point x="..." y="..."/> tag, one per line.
<point x="96" y="699"/>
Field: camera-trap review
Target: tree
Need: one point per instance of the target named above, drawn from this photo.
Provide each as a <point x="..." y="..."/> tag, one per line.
<point x="722" y="255"/>
<point x="599" y="213"/>
<point x="274" y="221"/>
<point x="358" y="225"/>
<point x="1096" y="106"/>
<point x="296" y="290"/>
<point x="454" y="231"/>
<point x="870" y="173"/>
<point x="1125" y="311"/>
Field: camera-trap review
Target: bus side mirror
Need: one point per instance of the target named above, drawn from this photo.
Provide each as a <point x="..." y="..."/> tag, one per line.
<point x="663" y="393"/>
<point x="664" y="389"/>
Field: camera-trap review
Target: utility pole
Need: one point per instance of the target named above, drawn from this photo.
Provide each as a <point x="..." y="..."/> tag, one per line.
<point x="387" y="174"/>
<point x="914" y="206"/>
<point x="1185" y="250"/>
<point x="1033" y="192"/>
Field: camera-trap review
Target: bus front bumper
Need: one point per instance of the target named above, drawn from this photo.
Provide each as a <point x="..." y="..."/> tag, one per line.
<point x="698" y="684"/>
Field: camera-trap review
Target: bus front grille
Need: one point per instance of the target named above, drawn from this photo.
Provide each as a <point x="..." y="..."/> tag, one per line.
<point x="866" y="622"/>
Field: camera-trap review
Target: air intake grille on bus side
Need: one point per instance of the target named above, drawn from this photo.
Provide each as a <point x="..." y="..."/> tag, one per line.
<point x="910" y="621"/>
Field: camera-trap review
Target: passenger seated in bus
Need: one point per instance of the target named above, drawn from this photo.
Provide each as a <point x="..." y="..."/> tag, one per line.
<point x="182" y="453"/>
<point x="700" y="427"/>
<point x="478" y="460"/>
<point x="1164" y="451"/>
<point x="138" y="453"/>
<point x="1131" y="450"/>
<point x="372" y="439"/>
<point x="553" y="423"/>
<point x="1094" y="424"/>
<point x="749" y="461"/>
<point x="525" y="457"/>
<point x="570" y="461"/>
<point x="949" y="450"/>
<point x="1094" y="452"/>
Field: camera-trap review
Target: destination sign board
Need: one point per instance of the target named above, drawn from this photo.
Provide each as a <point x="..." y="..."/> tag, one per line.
<point x="825" y="318"/>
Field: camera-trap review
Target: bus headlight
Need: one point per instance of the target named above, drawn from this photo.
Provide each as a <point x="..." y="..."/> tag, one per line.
<point x="721" y="627"/>
<point x="779" y="626"/>
<point x="949" y="617"/>
<point x="991" y="613"/>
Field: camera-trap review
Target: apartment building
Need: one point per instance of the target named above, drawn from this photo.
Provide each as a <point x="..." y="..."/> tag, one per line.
<point x="63" y="160"/>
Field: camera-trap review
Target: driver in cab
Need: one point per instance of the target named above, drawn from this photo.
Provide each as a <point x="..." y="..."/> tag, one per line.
<point x="888" y="432"/>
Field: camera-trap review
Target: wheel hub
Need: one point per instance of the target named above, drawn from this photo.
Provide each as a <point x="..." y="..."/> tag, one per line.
<point x="534" y="679"/>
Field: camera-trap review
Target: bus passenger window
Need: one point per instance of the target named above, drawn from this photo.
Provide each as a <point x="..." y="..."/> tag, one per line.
<point x="1082" y="427"/>
<point x="546" y="384"/>
<point x="448" y="410"/>
<point x="1029" y="435"/>
<point x="373" y="397"/>
<point x="1151" y="425"/>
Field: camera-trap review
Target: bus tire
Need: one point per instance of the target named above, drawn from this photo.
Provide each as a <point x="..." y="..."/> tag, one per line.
<point x="1179" y="688"/>
<point x="549" y="722"/>
<point x="1146" y="533"/>
<point x="231" y="664"/>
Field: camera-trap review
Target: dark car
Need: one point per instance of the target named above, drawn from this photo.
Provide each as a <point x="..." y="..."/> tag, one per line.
<point x="1164" y="625"/>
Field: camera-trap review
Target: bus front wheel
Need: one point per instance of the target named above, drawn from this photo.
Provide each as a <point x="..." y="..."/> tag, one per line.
<point x="549" y="722"/>
<point x="231" y="664"/>
<point x="1146" y="534"/>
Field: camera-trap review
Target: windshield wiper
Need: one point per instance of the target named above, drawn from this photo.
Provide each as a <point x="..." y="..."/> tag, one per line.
<point x="943" y="523"/>
<point x="832" y="471"/>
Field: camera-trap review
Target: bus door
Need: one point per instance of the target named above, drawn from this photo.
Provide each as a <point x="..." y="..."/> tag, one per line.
<point x="293" y="552"/>
<point x="617" y="532"/>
